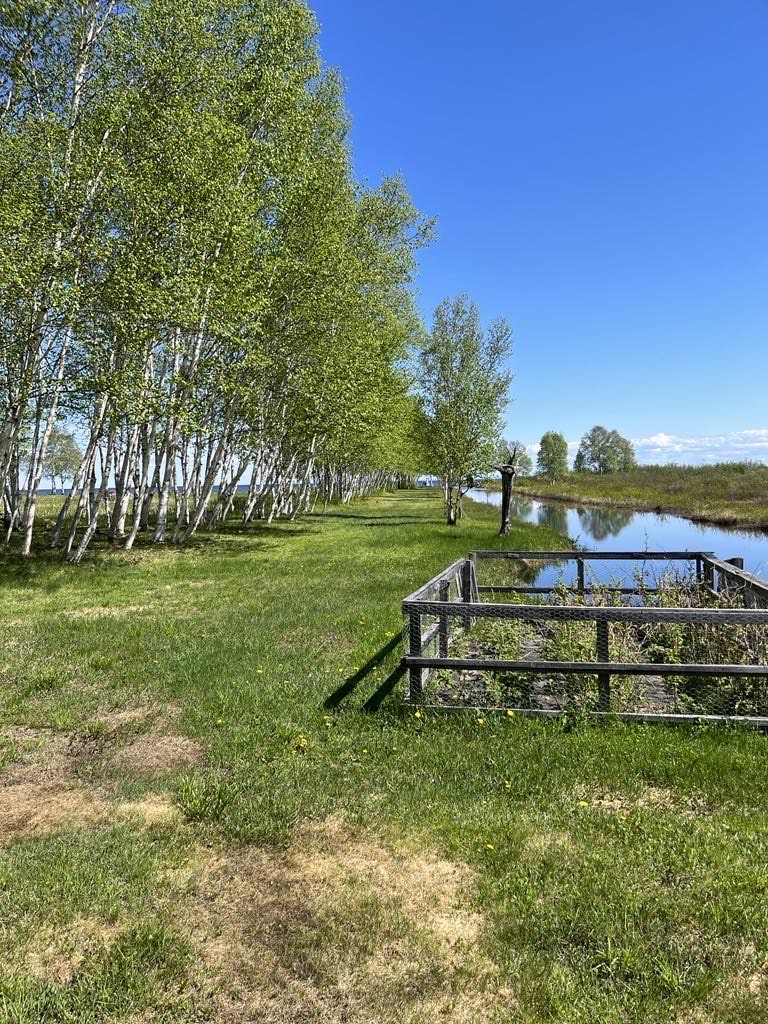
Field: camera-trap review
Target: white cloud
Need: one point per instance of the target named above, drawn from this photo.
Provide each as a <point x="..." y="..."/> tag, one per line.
<point x="738" y="445"/>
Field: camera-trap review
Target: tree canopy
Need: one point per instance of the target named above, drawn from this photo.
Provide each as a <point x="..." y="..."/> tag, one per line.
<point x="463" y="386"/>
<point x="604" y="451"/>
<point x="190" y="275"/>
<point x="552" y="458"/>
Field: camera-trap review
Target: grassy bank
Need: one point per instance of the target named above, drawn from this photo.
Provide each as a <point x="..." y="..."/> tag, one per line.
<point x="188" y="832"/>
<point x="729" y="493"/>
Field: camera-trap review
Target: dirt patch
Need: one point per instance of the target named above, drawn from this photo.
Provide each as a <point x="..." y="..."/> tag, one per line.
<point x="126" y="718"/>
<point x="341" y="928"/>
<point x="150" y="754"/>
<point x="33" y="809"/>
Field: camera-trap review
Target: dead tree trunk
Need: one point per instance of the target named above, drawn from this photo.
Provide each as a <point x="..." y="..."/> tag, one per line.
<point x="508" y="474"/>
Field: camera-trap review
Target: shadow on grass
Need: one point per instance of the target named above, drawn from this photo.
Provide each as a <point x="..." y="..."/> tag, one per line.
<point x="377" y="698"/>
<point x="45" y="568"/>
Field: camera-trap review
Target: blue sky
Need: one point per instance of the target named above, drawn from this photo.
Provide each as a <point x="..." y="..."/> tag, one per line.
<point x="599" y="172"/>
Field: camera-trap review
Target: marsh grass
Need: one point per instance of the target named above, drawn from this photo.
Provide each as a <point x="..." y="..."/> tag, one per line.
<point x="363" y="867"/>
<point x="729" y="493"/>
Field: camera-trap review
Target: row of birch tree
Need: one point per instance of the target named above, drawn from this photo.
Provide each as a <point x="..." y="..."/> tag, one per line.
<point x="190" y="275"/>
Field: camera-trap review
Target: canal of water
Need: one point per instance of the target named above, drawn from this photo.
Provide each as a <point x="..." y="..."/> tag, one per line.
<point x="603" y="528"/>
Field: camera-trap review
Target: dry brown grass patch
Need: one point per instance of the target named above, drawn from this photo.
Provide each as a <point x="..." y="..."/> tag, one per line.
<point x="649" y="798"/>
<point x="91" y="612"/>
<point x="41" y="790"/>
<point x="546" y="842"/>
<point x="28" y="809"/>
<point x="340" y="927"/>
<point x="57" y="952"/>
<point x="150" y="754"/>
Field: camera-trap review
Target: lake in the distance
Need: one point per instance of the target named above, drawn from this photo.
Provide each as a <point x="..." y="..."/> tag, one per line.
<point x="621" y="529"/>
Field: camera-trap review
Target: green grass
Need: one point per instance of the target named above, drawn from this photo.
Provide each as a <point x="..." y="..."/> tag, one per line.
<point x="334" y="865"/>
<point x="730" y="493"/>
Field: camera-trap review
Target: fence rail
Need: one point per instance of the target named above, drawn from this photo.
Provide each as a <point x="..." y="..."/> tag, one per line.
<point x="451" y="603"/>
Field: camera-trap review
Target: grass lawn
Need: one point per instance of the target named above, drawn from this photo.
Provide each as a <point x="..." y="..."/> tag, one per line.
<point x="188" y="833"/>
<point x="729" y="493"/>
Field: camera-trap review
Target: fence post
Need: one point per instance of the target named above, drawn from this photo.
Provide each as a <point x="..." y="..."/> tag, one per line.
<point x="445" y="589"/>
<point x="725" y="582"/>
<point x="473" y="574"/>
<point x="466" y="590"/>
<point x="603" y="678"/>
<point x="709" y="573"/>
<point x="580" y="574"/>
<point x="415" y="674"/>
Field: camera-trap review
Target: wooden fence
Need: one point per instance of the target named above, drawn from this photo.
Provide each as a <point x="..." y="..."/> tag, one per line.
<point x="449" y="604"/>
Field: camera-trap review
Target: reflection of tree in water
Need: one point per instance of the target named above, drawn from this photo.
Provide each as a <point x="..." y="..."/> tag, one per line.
<point x="521" y="509"/>
<point x="555" y="517"/>
<point x="599" y="523"/>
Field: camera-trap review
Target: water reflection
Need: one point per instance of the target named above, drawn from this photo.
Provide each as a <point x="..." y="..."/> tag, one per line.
<point x="599" y="523"/>
<point x="521" y="509"/>
<point x="621" y="529"/>
<point x="553" y="516"/>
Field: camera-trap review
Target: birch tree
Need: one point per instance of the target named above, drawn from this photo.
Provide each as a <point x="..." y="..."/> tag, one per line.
<point x="464" y="387"/>
<point x="190" y="273"/>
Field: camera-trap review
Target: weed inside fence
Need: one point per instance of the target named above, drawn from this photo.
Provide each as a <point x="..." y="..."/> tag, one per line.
<point x="684" y="634"/>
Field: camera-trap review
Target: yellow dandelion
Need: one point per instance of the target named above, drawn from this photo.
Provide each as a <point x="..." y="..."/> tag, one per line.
<point x="510" y="713"/>
<point x="583" y="803"/>
<point x="219" y="721"/>
<point x="490" y="846"/>
<point x="365" y="750"/>
<point x="507" y="784"/>
<point x="481" y="721"/>
<point x="417" y="715"/>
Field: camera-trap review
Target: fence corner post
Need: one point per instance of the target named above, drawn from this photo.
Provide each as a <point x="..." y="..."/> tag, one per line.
<point x="445" y="589"/>
<point x="415" y="674"/>
<point x="466" y="589"/>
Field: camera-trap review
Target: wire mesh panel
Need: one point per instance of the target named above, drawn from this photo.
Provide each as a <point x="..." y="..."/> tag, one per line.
<point x="688" y="637"/>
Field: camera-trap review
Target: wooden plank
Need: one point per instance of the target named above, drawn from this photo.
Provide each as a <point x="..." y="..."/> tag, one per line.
<point x="450" y="573"/>
<point x="466" y="590"/>
<point x="429" y="636"/>
<point x="594" y="613"/>
<point x="588" y="667"/>
<point x="591" y="556"/>
<point x="729" y="569"/>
